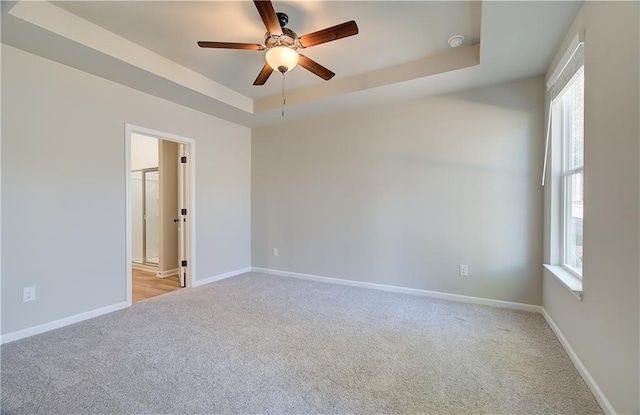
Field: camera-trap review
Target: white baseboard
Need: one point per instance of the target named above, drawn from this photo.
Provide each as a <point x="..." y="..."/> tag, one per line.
<point x="141" y="267"/>
<point x="591" y="383"/>
<point x="215" y="278"/>
<point x="32" y="331"/>
<point x="403" y="290"/>
<point x="168" y="273"/>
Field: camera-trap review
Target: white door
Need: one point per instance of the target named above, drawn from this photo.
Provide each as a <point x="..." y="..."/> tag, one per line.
<point x="183" y="214"/>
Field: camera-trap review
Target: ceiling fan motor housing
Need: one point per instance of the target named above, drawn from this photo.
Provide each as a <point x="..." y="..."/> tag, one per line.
<point x="283" y="19"/>
<point x="288" y="38"/>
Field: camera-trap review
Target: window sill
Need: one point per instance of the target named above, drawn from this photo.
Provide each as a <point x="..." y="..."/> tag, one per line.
<point x="568" y="280"/>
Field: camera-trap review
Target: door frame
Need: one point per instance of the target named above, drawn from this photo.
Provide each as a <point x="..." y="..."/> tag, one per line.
<point x="191" y="202"/>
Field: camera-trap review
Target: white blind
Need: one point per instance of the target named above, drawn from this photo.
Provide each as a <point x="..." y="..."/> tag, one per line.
<point x="575" y="62"/>
<point x="571" y="61"/>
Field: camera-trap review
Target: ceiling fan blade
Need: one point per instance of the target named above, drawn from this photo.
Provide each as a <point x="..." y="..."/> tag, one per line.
<point x="315" y="67"/>
<point x="269" y="17"/>
<point x="263" y="75"/>
<point x="229" y="45"/>
<point x="331" y="33"/>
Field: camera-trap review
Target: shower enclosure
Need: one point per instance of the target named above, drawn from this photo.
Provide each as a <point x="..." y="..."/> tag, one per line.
<point x="145" y="213"/>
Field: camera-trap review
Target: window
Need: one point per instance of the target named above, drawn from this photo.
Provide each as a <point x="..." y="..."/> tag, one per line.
<point x="564" y="201"/>
<point x="569" y="106"/>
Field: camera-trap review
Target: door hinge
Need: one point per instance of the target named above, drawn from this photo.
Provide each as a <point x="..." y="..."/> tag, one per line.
<point x="183" y="159"/>
<point x="184" y="263"/>
<point x="183" y="211"/>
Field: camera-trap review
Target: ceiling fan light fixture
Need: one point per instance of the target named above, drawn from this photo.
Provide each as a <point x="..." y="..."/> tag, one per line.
<point x="282" y="58"/>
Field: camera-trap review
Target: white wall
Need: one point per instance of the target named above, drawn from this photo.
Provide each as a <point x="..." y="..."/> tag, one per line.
<point x="144" y="152"/>
<point x="402" y="195"/>
<point x="603" y="329"/>
<point x="63" y="182"/>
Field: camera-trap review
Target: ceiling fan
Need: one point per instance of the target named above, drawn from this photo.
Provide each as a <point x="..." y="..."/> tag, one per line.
<point x="282" y="44"/>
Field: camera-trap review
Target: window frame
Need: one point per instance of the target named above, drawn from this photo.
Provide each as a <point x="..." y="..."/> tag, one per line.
<point x="567" y="170"/>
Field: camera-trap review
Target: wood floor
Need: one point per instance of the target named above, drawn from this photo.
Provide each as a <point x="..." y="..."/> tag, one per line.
<point x="147" y="285"/>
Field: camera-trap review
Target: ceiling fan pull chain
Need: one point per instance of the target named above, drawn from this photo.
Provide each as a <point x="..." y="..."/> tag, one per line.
<point x="283" y="97"/>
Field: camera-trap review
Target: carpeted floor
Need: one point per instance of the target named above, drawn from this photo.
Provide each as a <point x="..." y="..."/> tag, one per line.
<point x="264" y="344"/>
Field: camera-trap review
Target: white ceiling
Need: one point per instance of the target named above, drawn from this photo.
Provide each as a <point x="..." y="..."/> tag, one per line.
<point x="400" y="52"/>
<point x="390" y="33"/>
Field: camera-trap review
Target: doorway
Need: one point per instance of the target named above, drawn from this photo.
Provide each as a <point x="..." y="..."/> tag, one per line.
<point x="160" y="201"/>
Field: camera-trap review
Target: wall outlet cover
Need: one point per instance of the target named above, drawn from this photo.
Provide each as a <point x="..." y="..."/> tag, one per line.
<point x="28" y="294"/>
<point x="464" y="270"/>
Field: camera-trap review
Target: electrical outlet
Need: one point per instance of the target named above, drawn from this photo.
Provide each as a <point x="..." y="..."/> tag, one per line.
<point x="28" y="294"/>
<point x="275" y="251"/>
<point x="464" y="270"/>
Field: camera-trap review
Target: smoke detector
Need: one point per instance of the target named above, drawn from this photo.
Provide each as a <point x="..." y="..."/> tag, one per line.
<point x="455" y="41"/>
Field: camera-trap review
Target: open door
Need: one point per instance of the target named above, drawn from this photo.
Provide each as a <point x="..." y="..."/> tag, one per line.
<point x="177" y="252"/>
<point x="183" y="225"/>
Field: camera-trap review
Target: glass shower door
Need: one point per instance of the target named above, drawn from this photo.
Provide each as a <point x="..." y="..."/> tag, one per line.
<point x="145" y="217"/>
<point x="137" y="218"/>
<point x="152" y="213"/>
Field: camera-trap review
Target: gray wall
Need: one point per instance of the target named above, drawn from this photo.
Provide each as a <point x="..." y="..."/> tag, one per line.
<point x="603" y="329"/>
<point x="63" y="184"/>
<point x="402" y="195"/>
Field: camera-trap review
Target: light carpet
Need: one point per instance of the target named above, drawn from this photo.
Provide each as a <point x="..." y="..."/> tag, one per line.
<point x="265" y="344"/>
